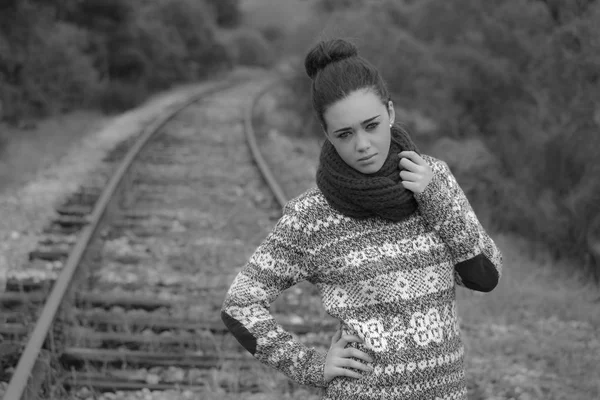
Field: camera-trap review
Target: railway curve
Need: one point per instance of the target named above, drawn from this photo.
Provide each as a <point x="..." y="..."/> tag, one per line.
<point x="146" y="260"/>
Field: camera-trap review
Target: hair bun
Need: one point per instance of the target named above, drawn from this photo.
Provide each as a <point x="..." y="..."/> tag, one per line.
<point x="327" y="52"/>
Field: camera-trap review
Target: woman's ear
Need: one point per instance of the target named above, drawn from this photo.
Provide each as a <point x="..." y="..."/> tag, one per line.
<point x="391" y="112"/>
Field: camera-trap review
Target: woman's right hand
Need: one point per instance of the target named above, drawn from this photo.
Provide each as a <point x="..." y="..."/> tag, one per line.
<point x="338" y="358"/>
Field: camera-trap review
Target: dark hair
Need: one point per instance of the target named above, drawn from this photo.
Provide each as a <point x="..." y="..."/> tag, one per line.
<point x="337" y="70"/>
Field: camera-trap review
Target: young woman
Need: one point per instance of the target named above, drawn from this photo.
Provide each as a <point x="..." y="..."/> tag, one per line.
<point x="386" y="236"/>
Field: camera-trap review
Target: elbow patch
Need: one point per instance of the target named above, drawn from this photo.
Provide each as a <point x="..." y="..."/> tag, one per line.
<point x="478" y="273"/>
<point x="239" y="331"/>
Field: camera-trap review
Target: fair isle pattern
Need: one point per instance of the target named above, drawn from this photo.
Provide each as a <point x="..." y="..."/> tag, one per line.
<point x="403" y="391"/>
<point x="423" y="364"/>
<point x="387" y="288"/>
<point x="390" y="283"/>
<point x="422" y="329"/>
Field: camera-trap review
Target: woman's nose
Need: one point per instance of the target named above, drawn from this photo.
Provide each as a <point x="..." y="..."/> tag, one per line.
<point x="362" y="141"/>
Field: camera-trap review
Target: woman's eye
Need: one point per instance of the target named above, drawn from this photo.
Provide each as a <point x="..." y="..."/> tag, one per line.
<point x="343" y="134"/>
<point x="372" y="125"/>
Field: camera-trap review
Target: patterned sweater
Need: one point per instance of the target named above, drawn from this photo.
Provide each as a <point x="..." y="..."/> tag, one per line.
<point x="390" y="283"/>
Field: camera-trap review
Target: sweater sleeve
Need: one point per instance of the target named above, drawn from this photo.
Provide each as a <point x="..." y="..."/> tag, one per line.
<point x="477" y="259"/>
<point x="277" y="264"/>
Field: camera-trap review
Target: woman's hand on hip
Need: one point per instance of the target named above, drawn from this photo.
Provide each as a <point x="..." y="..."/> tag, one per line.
<point x="416" y="174"/>
<point x="339" y="358"/>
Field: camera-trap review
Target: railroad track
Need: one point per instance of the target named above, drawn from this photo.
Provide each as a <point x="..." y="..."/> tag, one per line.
<point x="138" y="264"/>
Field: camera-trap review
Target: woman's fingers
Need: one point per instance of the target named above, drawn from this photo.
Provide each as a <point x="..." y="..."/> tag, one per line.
<point x="350" y="363"/>
<point x="413" y="187"/>
<point x="409" y="176"/>
<point x="409" y="165"/>
<point x="337" y="336"/>
<point x="351" y="352"/>
<point x="345" y="339"/>
<point x="418" y="173"/>
<point x="414" y="157"/>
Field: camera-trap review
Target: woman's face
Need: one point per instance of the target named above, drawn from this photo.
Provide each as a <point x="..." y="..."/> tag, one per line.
<point x="358" y="126"/>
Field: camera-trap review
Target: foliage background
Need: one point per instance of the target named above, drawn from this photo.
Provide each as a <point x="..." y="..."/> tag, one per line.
<point x="510" y="92"/>
<point x="110" y="54"/>
<point x="506" y="92"/>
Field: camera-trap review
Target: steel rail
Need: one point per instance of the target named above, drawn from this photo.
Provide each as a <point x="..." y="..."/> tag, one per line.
<point x="256" y="154"/>
<point x="25" y="366"/>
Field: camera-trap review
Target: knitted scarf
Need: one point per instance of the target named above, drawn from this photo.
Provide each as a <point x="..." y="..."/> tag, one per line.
<point x="359" y="195"/>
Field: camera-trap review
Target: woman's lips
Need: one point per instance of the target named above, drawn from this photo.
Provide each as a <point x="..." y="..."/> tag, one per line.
<point x="367" y="157"/>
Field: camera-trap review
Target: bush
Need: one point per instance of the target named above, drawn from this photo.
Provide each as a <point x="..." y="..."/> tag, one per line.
<point x="178" y="41"/>
<point x="101" y="15"/>
<point x="227" y="12"/>
<point x="57" y="75"/>
<point x="118" y="96"/>
<point x="335" y="5"/>
<point x="249" y="47"/>
<point x="273" y="33"/>
<point x="128" y="64"/>
<point x="13" y="104"/>
<point x="110" y="52"/>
